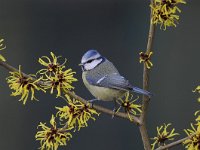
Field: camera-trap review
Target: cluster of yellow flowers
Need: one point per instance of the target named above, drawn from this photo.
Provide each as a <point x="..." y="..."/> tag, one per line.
<point x="193" y="142"/>
<point x="52" y="77"/>
<point x="76" y="114"/>
<point x="55" y="75"/>
<point x="2" y="46"/>
<point x="164" y="12"/>
<point x="23" y="85"/>
<point x="163" y="135"/>
<point x="52" y="137"/>
<point x="128" y="103"/>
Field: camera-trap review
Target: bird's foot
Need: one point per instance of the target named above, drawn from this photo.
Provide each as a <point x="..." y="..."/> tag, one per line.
<point x="114" y="112"/>
<point x="91" y="101"/>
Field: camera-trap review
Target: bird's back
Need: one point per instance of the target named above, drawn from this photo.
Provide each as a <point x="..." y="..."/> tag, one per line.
<point x="102" y="69"/>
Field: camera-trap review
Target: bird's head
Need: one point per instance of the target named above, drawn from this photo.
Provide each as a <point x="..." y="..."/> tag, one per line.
<point x="90" y="60"/>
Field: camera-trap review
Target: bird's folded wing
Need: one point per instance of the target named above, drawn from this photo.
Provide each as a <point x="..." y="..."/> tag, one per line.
<point x="114" y="81"/>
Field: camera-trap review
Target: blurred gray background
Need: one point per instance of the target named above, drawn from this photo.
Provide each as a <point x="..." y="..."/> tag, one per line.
<point x="118" y="29"/>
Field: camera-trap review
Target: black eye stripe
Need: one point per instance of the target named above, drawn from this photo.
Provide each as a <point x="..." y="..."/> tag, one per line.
<point x="89" y="61"/>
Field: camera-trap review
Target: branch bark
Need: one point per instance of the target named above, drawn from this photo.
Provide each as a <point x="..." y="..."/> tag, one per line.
<point x="72" y="94"/>
<point x="145" y="104"/>
<point x="178" y="142"/>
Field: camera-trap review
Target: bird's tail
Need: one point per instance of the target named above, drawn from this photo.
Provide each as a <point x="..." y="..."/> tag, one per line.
<point x="141" y="91"/>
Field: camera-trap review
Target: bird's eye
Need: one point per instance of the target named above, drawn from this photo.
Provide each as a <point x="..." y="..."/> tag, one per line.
<point x="89" y="61"/>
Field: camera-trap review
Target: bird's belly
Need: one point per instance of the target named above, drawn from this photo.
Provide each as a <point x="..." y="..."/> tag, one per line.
<point x="105" y="94"/>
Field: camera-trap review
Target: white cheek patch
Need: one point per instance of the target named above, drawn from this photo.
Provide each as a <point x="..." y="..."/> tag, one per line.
<point x="93" y="64"/>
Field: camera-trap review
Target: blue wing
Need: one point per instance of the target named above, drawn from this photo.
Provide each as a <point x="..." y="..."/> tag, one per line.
<point x="114" y="81"/>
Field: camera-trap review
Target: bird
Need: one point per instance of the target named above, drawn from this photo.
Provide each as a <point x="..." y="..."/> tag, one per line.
<point x="103" y="80"/>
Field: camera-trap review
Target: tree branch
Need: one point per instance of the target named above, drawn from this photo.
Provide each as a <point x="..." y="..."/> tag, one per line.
<point x="72" y="94"/>
<point x="174" y="143"/>
<point x="145" y="103"/>
<point x="103" y="109"/>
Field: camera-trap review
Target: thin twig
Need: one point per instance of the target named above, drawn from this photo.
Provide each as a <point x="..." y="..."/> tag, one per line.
<point x="72" y="94"/>
<point x="146" y="72"/>
<point x="145" y="104"/>
<point x="175" y="143"/>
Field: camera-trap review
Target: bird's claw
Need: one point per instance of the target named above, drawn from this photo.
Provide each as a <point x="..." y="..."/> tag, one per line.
<point x="114" y="112"/>
<point x="90" y="102"/>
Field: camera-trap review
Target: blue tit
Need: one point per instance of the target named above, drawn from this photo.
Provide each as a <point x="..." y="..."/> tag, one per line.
<point x="103" y="80"/>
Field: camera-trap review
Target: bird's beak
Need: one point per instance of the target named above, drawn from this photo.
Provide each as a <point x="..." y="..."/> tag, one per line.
<point x="81" y="64"/>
